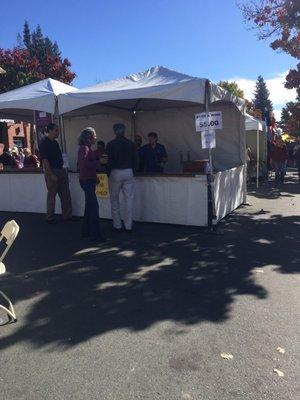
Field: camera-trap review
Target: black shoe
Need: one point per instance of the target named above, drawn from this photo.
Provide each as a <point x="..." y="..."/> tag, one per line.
<point x="117" y="230"/>
<point x="51" y="221"/>
<point x="98" y="239"/>
<point x="128" y="230"/>
<point x="70" y="219"/>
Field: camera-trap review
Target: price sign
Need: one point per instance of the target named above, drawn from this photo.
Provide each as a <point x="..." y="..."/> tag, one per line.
<point x="208" y="139"/>
<point x="208" y="121"/>
<point x="102" y="186"/>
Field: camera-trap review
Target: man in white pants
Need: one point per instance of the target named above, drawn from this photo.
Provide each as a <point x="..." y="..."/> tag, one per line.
<point x="122" y="161"/>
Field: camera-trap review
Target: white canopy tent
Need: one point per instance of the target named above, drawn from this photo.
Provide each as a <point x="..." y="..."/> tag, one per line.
<point x="252" y="124"/>
<point x="256" y="127"/>
<point x="20" y="103"/>
<point x="167" y="101"/>
<point x="158" y="99"/>
<point x="142" y="90"/>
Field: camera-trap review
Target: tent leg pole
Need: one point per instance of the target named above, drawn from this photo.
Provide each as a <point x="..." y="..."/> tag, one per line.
<point x="133" y="124"/>
<point x="210" y="177"/>
<point x="62" y="123"/>
<point x="257" y="158"/>
<point x="35" y="143"/>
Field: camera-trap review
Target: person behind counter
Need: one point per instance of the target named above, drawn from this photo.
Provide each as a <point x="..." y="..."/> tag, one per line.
<point x="30" y="160"/>
<point x="56" y="176"/>
<point x="100" y="149"/>
<point x="100" y="153"/>
<point x="153" y="155"/>
<point x="6" y="159"/>
<point x="15" y="152"/>
<point x="138" y="141"/>
<point x="122" y="161"/>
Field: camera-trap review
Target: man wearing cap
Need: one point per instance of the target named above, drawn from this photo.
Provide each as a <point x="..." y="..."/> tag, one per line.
<point x="122" y="161"/>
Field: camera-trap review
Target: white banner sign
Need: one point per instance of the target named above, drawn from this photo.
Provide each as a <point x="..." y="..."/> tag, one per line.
<point x="208" y="139"/>
<point x="212" y="120"/>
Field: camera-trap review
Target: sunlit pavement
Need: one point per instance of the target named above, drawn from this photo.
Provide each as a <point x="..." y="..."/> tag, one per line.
<point x="147" y="315"/>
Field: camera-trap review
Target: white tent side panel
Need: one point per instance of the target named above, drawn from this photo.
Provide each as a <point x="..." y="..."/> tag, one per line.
<point x="103" y="124"/>
<point x="252" y="123"/>
<point x="176" y="130"/>
<point x="230" y="190"/>
<point x="251" y="141"/>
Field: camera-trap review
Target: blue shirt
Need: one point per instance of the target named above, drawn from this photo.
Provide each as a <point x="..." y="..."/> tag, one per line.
<point x="151" y="158"/>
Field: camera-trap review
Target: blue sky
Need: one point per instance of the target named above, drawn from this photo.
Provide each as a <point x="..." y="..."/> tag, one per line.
<point x="109" y="39"/>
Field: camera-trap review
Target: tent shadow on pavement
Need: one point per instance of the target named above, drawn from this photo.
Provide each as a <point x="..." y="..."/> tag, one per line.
<point x="269" y="189"/>
<point x="67" y="293"/>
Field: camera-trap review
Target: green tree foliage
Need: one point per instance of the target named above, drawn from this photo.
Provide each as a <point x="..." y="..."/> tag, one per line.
<point x="285" y="116"/>
<point x="26" y="35"/>
<point x="232" y="87"/>
<point x="290" y="118"/>
<point x="261" y="96"/>
<point x="276" y="19"/>
<point x="39" y="45"/>
<point x="279" y="20"/>
<point x="35" y="58"/>
<point x="293" y="79"/>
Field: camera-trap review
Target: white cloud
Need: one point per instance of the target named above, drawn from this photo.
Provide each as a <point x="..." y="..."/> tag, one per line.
<point x="279" y="95"/>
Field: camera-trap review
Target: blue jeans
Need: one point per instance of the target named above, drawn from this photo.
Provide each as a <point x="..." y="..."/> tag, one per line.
<point x="91" y="223"/>
<point x="280" y="171"/>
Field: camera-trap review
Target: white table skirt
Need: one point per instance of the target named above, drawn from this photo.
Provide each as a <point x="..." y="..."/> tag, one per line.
<point x="174" y="200"/>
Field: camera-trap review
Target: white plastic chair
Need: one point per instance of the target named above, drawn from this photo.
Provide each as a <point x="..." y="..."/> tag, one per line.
<point x="9" y="233"/>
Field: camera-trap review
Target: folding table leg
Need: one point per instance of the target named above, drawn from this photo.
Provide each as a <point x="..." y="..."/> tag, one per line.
<point x="10" y="310"/>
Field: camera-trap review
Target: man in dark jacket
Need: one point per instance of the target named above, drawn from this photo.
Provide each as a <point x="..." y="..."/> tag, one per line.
<point x="122" y="161"/>
<point x="153" y="155"/>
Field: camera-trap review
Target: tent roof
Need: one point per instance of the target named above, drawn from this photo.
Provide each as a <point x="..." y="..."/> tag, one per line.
<point x="144" y="90"/>
<point x="19" y="103"/>
<point x="252" y="124"/>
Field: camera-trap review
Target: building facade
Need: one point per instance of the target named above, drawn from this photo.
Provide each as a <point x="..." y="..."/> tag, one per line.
<point x="19" y="134"/>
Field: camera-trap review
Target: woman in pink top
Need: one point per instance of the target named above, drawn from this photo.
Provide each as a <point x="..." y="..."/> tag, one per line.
<point x="88" y="167"/>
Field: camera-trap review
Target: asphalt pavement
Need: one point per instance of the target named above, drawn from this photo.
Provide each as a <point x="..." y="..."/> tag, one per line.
<point x="147" y="315"/>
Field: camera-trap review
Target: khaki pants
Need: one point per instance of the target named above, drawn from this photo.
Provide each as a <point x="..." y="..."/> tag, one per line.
<point x="60" y="187"/>
<point x="121" y="180"/>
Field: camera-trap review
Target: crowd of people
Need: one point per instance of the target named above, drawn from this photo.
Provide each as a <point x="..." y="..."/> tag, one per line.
<point x="18" y="158"/>
<point x="279" y="156"/>
<point x="119" y="159"/>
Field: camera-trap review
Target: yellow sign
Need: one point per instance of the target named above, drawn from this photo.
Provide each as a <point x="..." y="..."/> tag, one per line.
<point x="102" y="186"/>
